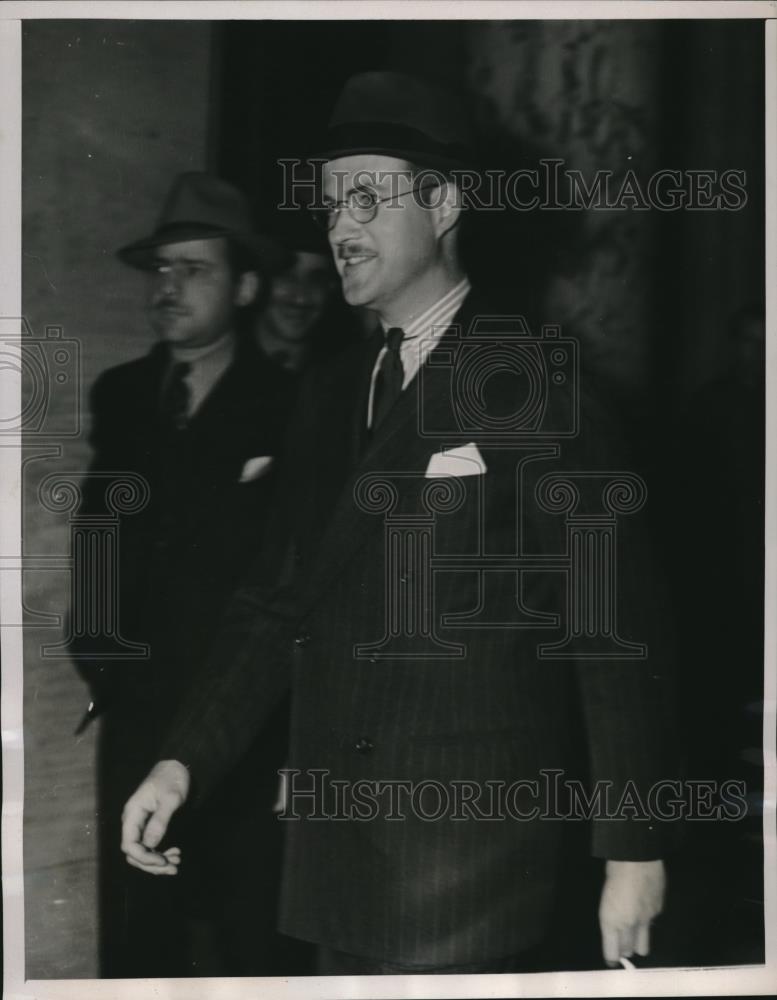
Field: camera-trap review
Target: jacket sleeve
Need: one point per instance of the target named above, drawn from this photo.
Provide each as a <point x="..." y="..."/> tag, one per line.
<point x="102" y="438"/>
<point x="628" y="708"/>
<point x="245" y="676"/>
<point x="627" y="703"/>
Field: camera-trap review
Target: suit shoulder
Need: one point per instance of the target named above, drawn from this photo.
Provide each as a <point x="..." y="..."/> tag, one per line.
<point x="129" y="371"/>
<point x="339" y="370"/>
<point x="129" y="374"/>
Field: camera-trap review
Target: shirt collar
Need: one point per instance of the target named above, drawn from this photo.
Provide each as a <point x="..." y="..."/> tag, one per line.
<point x="438" y="316"/>
<point x="216" y="355"/>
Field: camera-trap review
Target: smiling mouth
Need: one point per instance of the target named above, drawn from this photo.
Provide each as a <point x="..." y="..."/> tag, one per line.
<point x="356" y="259"/>
<point x="298" y="313"/>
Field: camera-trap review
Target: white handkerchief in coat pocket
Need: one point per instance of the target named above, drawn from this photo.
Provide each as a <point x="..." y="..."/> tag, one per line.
<point x="255" y="467"/>
<point x="463" y="461"/>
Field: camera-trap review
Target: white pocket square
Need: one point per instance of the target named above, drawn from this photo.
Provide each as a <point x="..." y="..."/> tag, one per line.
<point x="255" y="467"/>
<point x="463" y="461"/>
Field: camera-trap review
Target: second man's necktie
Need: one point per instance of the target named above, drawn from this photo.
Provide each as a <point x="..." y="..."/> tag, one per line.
<point x="175" y="398"/>
<point x="389" y="378"/>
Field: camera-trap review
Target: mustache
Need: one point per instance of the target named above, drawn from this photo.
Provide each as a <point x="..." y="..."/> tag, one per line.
<point x="168" y="302"/>
<point x="348" y="250"/>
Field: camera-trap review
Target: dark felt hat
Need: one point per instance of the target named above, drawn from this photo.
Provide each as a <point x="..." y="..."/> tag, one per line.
<point x="393" y="114"/>
<point x="295" y="230"/>
<point x="200" y="206"/>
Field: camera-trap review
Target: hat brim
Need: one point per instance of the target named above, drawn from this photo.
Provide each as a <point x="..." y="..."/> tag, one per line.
<point x="390" y="139"/>
<point x="267" y="253"/>
<point x="417" y="157"/>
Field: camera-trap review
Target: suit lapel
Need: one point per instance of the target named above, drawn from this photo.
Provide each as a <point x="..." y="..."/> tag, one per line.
<point x="360" y="433"/>
<point x="398" y="446"/>
<point x="149" y="385"/>
<point x="238" y="408"/>
<point x="220" y="401"/>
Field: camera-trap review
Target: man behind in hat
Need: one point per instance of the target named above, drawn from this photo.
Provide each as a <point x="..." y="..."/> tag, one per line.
<point x="200" y="418"/>
<point x="392" y="682"/>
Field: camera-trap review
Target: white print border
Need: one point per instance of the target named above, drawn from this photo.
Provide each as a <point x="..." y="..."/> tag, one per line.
<point x="646" y="982"/>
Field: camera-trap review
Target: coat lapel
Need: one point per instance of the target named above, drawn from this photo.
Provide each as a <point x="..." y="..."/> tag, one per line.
<point x="398" y="446"/>
<point x="360" y="435"/>
<point x="224" y="397"/>
<point x="148" y="390"/>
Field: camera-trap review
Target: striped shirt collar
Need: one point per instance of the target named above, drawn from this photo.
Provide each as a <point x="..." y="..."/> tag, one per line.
<point x="439" y="315"/>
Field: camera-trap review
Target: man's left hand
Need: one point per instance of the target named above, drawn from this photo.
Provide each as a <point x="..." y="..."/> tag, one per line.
<point x="633" y="895"/>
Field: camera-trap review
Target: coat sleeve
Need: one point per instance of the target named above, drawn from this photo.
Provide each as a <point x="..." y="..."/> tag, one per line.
<point x="628" y="709"/>
<point x="627" y="704"/>
<point x="102" y="438"/>
<point x="244" y="678"/>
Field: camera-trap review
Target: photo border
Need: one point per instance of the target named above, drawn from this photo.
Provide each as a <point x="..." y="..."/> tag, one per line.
<point x="735" y="980"/>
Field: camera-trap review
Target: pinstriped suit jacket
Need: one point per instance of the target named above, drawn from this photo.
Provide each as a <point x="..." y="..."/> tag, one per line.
<point x="483" y="708"/>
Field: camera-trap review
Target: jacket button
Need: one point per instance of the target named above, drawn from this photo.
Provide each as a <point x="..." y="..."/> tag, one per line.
<point x="364" y="745"/>
<point x="302" y="640"/>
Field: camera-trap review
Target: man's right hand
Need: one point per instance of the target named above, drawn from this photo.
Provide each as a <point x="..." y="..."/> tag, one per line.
<point x="146" y="817"/>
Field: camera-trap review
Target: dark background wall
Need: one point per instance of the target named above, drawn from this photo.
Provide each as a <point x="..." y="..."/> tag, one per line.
<point x="112" y="110"/>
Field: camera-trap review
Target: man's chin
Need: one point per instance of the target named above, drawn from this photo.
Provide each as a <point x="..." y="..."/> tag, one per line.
<point x="295" y="327"/>
<point x="356" y="295"/>
<point x="295" y="335"/>
<point x="174" y="335"/>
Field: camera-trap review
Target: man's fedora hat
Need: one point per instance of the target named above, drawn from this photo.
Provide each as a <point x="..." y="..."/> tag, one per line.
<point x="393" y="114"/>
<point x="296" y="230"/>
<point x="200" y="206"/>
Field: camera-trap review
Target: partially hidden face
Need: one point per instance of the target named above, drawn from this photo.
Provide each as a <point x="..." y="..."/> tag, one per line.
<point x="379" y="261"/>
<point x="192" y="292"/>
<point x="298" y="296"/>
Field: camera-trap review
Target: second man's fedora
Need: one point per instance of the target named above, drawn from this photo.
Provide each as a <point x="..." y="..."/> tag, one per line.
<point x="201" y="206"/>
<point x="394" y="114"/>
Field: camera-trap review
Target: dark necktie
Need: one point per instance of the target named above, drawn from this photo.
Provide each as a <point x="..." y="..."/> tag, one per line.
<point x="175" y="397"/>
<point x="389" y="378"/>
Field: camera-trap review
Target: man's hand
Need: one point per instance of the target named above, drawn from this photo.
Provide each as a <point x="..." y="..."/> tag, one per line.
<point x="633" y="895"/>
<point x="147" y="815"/>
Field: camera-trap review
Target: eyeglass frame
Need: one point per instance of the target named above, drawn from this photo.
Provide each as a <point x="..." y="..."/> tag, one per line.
<point x="323" y="214"/>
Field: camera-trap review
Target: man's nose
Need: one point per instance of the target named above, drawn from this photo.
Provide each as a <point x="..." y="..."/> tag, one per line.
<point x="168" y="281"/>
<point x="300" y="295"/>
<point x="344" y="227"/>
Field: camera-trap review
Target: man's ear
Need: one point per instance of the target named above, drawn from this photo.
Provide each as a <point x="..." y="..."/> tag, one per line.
<point x="447" y="207"/>
<point x="248" y="287"/>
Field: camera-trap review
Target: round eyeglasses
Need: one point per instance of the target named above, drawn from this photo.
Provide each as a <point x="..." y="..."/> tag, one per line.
<point x="361" y="205"/>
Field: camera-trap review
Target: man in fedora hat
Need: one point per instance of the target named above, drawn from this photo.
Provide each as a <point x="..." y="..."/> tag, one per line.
<point x="200" y="418"/>
<point x="405" y="623"/>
